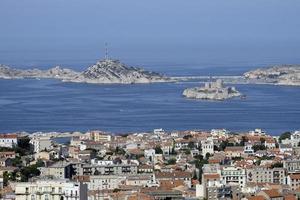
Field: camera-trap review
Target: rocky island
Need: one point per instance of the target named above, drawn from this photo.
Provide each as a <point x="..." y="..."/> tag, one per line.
<point x="212" y="91"/>
<point x="103" y="72"/>
<point x="279" y="75"/>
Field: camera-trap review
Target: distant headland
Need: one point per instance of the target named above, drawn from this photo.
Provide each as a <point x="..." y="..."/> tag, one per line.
<point x="107" y="71"/>
<point x="279" y="75"/>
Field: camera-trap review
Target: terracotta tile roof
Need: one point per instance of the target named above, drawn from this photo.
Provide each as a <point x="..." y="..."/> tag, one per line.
<point x="83" y="178"/>
<point x="290" y="197"/>
<point x="256" y="198"/>
<point x="173" y="175"/>
<point x="295" y="176"/>
<point x="211" y="176"/>
<point x="234" y="149"/>
<point x="214" y="161"/>
<point x="138" y="196"/>
<point x="168" y="185"/>
<point x="8" y="136"/>
<point x="272" y="193"/>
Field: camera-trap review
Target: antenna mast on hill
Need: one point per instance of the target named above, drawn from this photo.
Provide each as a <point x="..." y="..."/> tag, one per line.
<point x="106" y="51"/>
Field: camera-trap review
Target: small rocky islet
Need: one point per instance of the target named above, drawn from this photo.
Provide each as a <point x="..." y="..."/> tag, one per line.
<point x="212" y="91"/>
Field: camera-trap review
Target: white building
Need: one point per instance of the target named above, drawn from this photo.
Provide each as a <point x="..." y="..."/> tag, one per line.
<point x="1" y="183"/>
<point x="41" y="143"/>
<point x="219" y="133"/>
<point x="51" y="190"/>
<point x="295" y="139"/>
<point x="158" y="131"/>
<point x="207" y="147"/>
<point x="257" y="132"/>
<point x="248" y="149"/>
<point x="231" y="174"/>
<point x="149" y="154"/>
<point x="8" y="140"/>
<point x="105" y="182"/>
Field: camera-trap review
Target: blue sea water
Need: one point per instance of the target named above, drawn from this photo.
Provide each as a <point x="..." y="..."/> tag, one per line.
<point x="50" y="105"/>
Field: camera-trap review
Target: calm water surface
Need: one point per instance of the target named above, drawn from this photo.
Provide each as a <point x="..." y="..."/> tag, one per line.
<point x="50" y="105"/>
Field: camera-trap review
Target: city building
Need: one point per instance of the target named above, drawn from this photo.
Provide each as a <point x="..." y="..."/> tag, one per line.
<point x="266" y="175"/>
<point x="40" y="144"/>
<point x="51" y="190"/>
<point x="207" y="147"/>
<point x="60" y="170"/>
<point x="99" y="136"/>
<point x="8" y="140"/>
<point x="231" y="174"/>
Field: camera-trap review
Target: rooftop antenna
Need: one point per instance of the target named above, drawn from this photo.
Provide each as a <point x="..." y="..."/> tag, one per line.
<point x="106" y="51"/>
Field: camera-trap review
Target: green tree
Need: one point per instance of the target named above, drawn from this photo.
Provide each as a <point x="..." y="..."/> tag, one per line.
<point x="187" y="151"/>
<point x="171" y="161"/>
<point x="191" y="145"/>
<point x="258" y="147"/>
<point x="187" y="137"/>
<point x="243" y="141"/>
<point x="158" y="150"/>
<point x="223" y="145"/>
<point x="283" y="136"/>
<point x="29" y="172"/>
<point x="278" y="164"/>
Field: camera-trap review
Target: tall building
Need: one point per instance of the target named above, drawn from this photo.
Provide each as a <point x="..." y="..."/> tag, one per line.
<point x="207" y="147"/>
<point x="40" y="143"/>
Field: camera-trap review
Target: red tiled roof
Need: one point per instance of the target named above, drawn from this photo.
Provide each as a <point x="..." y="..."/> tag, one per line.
<point x="272" y="193"/>
<point x="8" y="136"/>
<point x="295" y="176"/>
<point x="211" y="176"/>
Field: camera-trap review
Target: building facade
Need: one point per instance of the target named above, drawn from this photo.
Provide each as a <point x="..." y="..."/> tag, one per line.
<point x="51" y="190"/>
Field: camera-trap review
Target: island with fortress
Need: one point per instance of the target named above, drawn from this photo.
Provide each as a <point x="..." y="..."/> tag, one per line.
<point x="212" y="91"/>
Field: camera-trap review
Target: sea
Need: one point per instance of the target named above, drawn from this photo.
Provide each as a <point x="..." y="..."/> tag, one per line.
<point x="33" y="105"/>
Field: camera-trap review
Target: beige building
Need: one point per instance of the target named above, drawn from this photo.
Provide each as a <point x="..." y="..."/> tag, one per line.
<point x="105" y="182"/>
<point x="98" y="136"/>
<point x="266" y="175"/>
<point x="59" y="170"/>
<point x="40" y="143"/>
<point x="51" y="190"/>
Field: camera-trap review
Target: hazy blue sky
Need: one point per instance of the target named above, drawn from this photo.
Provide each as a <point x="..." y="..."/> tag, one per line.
<point x="162" y="29"/>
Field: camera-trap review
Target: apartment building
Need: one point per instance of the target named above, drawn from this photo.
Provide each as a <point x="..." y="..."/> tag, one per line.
<point x="59" y="170"/>
<point x="231" y="174"/>
<point x="8" y="140"/>
<point x="99" y="136"/>
<point x="40" y="143"/>
<point x="292" y="165"/>
<point x="109" y="169"/>
<point x="105" y="182"/>
<point x="51" y="190"/>
<point x="266" y="175"/>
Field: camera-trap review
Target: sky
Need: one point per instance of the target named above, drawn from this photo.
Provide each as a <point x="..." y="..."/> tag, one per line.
<point x="170" y="32"/>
